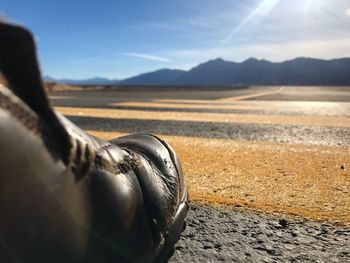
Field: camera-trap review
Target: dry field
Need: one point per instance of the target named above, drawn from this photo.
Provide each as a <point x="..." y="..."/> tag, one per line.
<point x="272" y="149"/>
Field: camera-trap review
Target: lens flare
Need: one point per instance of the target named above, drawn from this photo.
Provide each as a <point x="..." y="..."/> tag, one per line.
<point x="262" y="10"/>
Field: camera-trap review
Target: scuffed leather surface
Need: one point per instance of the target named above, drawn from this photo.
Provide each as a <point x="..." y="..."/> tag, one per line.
<point x="117" y="211"/>
<point x="161" y="184"/>
<point x="43" y="217"/>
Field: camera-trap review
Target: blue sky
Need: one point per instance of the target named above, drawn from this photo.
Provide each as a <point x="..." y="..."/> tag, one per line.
<point x="118" y="39"/>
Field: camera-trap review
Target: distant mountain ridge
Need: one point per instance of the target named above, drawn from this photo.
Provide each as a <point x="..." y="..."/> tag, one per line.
<point x="91" y="81"/>
<point x="159" y="77"/>
<point x="298" y="71"/>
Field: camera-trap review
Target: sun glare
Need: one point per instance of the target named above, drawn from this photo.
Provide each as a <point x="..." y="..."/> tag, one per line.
<point x="347" y="12"/>
<point x="262" y="10"/>
<point x="307" y="5"/>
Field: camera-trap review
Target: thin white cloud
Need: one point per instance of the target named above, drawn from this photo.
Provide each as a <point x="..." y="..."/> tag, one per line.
<point x="147" y="57"/>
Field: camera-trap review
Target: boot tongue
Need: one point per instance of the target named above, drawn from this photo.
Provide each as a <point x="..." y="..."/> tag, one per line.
<point x="19" y="65"/>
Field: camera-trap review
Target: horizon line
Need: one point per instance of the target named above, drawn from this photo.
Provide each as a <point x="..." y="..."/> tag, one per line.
<point x="218" y="58"/>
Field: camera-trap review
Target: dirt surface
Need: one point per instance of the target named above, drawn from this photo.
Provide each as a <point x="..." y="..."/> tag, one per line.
<point x="272" y="156"/>
<point x="337" y="94"/>
<point x="274" y="93"/>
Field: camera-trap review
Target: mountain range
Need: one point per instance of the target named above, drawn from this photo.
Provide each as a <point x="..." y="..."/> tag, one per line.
<point x="299" y="71"/>
<point x="91" y="81"/>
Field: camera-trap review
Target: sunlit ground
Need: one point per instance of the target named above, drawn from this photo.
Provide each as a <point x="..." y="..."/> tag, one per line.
<point x="301" y="176"/>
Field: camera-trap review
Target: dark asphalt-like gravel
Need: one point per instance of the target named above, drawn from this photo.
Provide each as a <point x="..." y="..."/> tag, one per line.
<point x="329" y="136"/>
<point x="220" y="235"/>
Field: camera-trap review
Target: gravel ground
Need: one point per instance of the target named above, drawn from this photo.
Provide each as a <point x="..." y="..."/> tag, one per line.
<point x="219" y="235"/>
<point x="329" y="136"/>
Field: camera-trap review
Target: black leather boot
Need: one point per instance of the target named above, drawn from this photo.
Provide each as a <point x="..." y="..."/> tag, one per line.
<point x="66" y="196"/>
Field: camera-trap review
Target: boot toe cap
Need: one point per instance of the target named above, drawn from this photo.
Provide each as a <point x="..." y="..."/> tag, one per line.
<point x="160" y="175"/>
